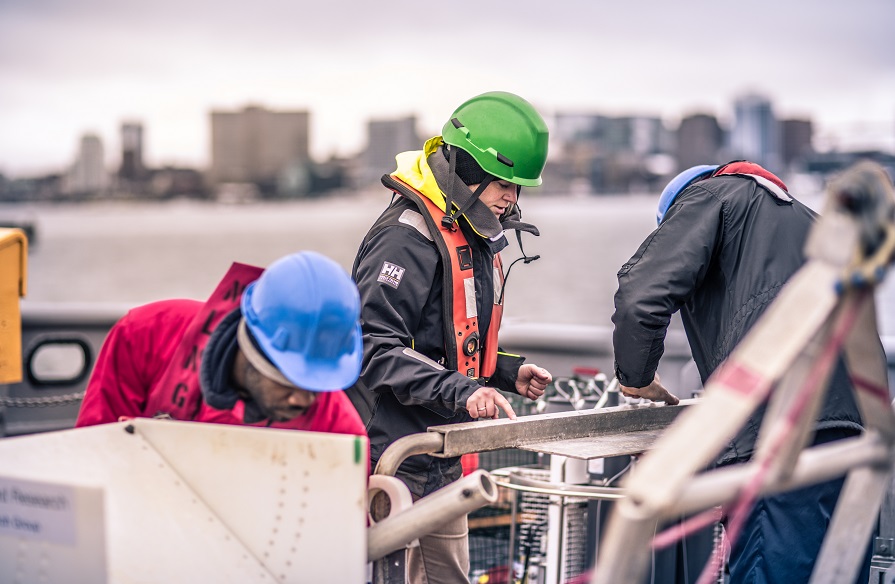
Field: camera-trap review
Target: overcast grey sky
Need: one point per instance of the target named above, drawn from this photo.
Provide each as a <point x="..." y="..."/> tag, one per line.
<point x="68" y="67"/>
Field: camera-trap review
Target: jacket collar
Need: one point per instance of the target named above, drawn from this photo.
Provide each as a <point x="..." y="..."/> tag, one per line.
<point x="428" y="173"/>
<point x="215" y="370"/>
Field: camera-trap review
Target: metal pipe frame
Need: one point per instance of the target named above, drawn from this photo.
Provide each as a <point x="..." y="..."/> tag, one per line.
<point x="486" y="435"/>
<point x="520" y="483"/>
<point x="403" y="448"/>
<point x="529" y="430"/>
<point x="483" y="436"/>
<point x="459" y="498"/>
<point x="815" y="465"/>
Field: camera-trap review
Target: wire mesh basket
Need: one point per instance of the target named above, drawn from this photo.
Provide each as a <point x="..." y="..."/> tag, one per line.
<point x="508" y="539"/>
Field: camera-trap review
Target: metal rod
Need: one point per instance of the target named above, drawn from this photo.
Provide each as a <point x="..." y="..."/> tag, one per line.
<point x="518" y="483"/>
<point x="403" y="448"/>
<point x="459" y="498"/>
<point x="816" y="464"/>
<point x="484" y="436"/>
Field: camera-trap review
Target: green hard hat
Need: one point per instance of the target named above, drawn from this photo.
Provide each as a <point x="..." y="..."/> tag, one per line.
<point x="503" y="133"/>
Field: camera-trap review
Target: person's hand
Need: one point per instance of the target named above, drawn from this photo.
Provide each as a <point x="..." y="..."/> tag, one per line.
<point x="655" y="391"/>
<point x="531" y="381"/>
<point x="487" y="402"/>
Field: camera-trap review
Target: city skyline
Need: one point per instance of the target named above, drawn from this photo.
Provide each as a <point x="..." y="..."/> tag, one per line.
<point x="72" y="68"/>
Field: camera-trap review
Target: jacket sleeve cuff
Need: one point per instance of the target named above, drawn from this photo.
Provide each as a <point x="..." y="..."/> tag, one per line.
<point x="507" y="371"/>
<point x="632" y="381"/>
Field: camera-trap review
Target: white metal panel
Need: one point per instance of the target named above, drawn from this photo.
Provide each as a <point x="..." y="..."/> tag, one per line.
<point x="293" y="498"/>
<point x="188" y="502"/>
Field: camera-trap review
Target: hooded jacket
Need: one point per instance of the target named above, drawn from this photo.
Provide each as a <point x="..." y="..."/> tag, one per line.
<point x="404" y="385"/>
<point x="172" y="358"/>
<point x="721" y="255"/>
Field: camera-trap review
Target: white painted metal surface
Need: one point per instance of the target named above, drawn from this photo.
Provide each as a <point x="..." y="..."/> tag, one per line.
<point x="188" y="502"/>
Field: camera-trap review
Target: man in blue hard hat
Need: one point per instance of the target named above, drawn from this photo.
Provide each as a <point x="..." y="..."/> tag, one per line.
<point x="728" y="239"/>
<point x="272" y="347"/>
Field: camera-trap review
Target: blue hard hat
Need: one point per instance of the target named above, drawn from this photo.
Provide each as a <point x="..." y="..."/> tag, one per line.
<point x="304" y="313"/>
<point x="678" y="184"/>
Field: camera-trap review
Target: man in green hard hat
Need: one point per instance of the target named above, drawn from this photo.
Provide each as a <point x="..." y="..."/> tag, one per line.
<point x="431" y="282"/>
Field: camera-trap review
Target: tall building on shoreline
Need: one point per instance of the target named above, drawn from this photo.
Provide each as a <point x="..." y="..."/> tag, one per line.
<point x="796" y="137"/>
<point x="700" y="140"/>
<point x="385" y="139"/>
<point x="132" y="166"/>
<point x="87" y="176"/>
<point x="257" y="145"/>
<point x="755" y="134"/>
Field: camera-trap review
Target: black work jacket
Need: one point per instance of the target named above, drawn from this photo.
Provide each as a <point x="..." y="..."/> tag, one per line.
<point x="721" y="255"/>
<point x="399" y="393"/>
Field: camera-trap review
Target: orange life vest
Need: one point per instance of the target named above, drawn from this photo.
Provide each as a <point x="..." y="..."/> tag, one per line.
<point x="465" y="350"/>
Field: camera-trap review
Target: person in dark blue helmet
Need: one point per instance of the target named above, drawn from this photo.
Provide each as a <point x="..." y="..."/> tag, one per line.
<point x="728" y="239"/>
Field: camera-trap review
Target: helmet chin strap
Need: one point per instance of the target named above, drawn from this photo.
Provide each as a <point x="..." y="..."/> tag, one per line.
<point x="450" y="218"/>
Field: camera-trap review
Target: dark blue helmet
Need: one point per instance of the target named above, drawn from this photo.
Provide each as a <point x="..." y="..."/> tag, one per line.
<point x="678" y="184"/>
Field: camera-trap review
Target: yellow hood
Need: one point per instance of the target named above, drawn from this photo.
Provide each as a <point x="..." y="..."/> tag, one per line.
<point x="414" y="170"/>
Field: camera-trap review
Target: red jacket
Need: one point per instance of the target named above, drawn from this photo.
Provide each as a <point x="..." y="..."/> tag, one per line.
<point x="149" y="364"/>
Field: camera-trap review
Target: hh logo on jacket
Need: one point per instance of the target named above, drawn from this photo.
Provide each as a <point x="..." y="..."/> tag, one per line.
<point x="391" y="274"/>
